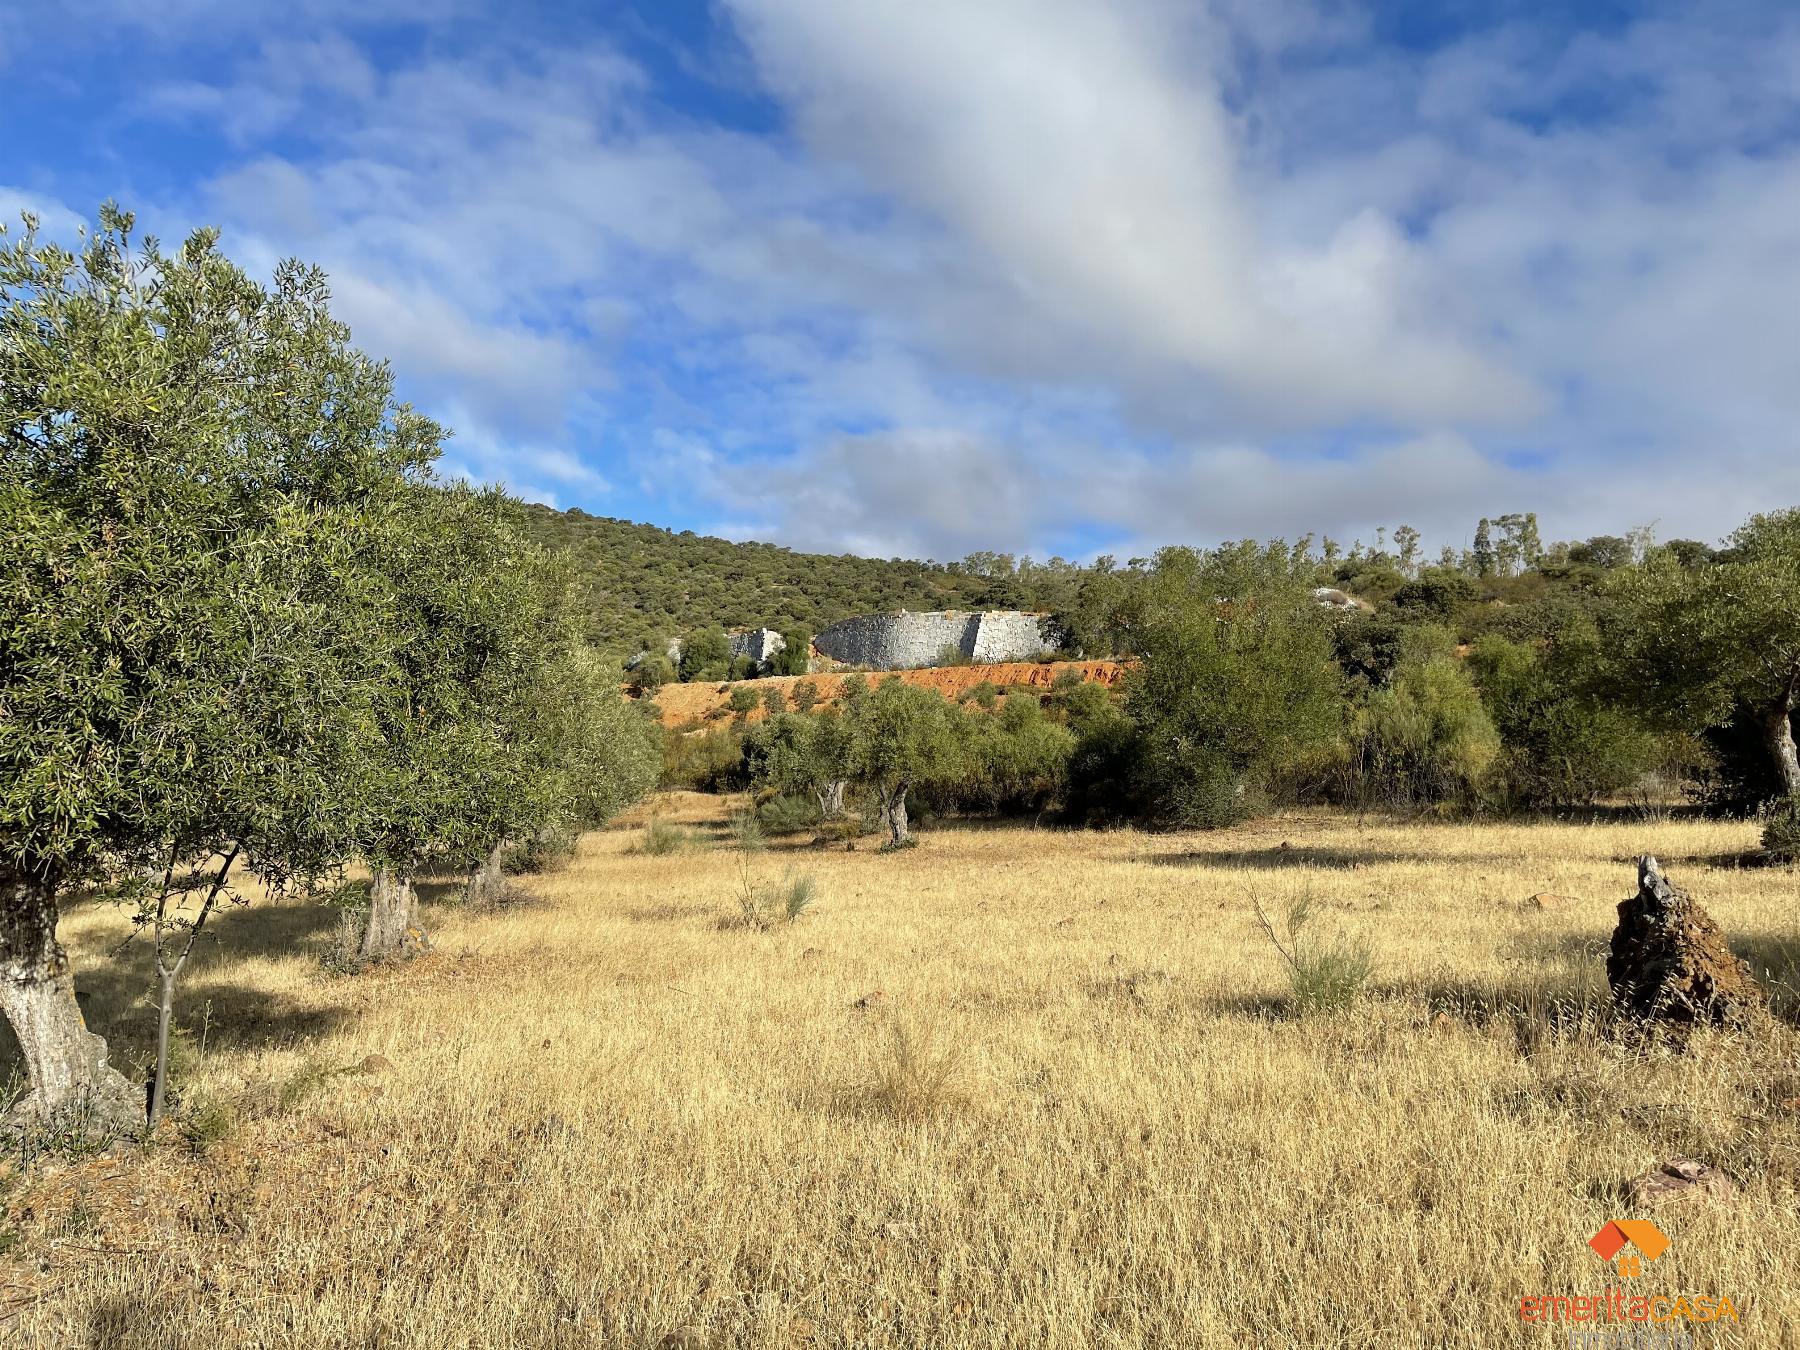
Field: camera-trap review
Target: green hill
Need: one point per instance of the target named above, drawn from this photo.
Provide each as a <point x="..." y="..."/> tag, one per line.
<point x="647" y="584"/>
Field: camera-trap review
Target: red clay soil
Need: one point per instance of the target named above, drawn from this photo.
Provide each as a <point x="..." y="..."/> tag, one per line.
<point x="684" y="705"/>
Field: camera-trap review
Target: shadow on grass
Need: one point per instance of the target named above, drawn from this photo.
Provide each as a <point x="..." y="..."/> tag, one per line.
<point x="1285" y="856"/>
<point x="118" y="988"/>
<point x="1535" y="1013"/>
<point x="1736" y="860"/>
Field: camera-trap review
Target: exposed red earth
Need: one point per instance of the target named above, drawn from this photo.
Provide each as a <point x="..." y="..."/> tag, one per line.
<point x="684" y="705"/>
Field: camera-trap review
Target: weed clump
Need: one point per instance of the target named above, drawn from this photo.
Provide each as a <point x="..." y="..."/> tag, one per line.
<point x="661" y="839"/>
<point x="787" y="814"/>
<point x="919" y="1072"/>
<point x="1325" y="974"/>
<point x="767" y="907"/>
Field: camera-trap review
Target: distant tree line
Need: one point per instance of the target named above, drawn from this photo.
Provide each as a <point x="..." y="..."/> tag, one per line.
<point x="245" y="632"/>
<point x="1511" y="678"/>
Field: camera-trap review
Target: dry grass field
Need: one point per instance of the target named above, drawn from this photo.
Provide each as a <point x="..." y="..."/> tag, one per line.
<point x="1081" y="1113"/>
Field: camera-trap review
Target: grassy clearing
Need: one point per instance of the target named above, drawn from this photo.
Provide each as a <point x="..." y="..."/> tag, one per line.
<point x="1079" y="1111"/>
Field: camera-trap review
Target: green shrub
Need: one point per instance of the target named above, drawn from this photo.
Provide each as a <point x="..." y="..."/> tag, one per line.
<point x="207" y="1122"/>
<point x="747" y="834"/>
<point x="1566" y="743"/>
<point x="767" y="907"/>
<point x="1324" y="974"/>
<point x="548" y="850"/>
<point x="1237" y="681"/>
<point x="704" y="761"/>
<point x="1426" y="738"/>
<point x="661" y="838"/>
<point x="742" y="699"/>
<point x="650" y="674"/>
<point x="1781" y="831"/>
<point x="796" y="655"/>
<point x="787" y="814"/>
<point x="983" y="695"/>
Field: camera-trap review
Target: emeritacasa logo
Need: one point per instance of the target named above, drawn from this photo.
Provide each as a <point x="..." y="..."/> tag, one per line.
<point x="1626" y="1316"/>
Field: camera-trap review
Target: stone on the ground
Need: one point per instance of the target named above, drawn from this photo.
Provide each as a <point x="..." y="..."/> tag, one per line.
<point x="1670" y="963"/>
<point x="1550" y="900"/>
<point x="1681" y="1179"/>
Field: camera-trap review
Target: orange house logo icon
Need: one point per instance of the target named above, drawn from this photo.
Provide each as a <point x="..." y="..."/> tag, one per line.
<point x="1613" y="1239"/>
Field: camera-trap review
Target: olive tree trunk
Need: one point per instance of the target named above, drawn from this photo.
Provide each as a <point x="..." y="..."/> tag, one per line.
<point x="488" y="880"/>
<point x="1778" y="728"/>
<point x="393" y="918"/>
<point x="831" y="799"/>
<point x="893" y="809"/>
<point x="67" y="1073"/>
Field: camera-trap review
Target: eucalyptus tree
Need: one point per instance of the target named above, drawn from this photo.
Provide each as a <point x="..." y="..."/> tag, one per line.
<point x="192" y="466"/>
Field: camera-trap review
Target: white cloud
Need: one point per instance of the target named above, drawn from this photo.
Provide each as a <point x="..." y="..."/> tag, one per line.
<point x="1027" y="272"/>
<point x="1063" y="141"/>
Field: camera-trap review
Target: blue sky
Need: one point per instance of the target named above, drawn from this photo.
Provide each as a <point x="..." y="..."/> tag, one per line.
<point x="921" y="277"/>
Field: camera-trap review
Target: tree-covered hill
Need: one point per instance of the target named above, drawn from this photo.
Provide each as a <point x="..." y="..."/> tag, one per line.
<point x="647" y="584"/>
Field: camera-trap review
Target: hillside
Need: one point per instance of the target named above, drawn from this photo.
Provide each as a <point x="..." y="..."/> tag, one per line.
<point x="648" y="583"/>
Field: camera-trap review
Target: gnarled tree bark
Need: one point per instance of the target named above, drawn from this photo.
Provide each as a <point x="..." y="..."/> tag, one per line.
<point x="68" y="1076"/>
<point x="893" y="809"/>
<point x="393" y="918"/>
<point x="1778" y="730"/>
<point x="831" y="799"/>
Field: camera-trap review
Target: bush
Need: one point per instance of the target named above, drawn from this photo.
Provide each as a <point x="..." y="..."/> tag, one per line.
<point x="984" y="695"/>
<point x="650" y="674"/>
<point x="1237" y="681"/>
<point x="742" y="699"/>
<point x="1425" y="739"/>
<point x="805" y="696"/>
<point x="1324" y="975"/>
<point x="705" y="655"/>
<point x="709" y="761"/>
<point x="766" y="907"/>
<point x="549" y="850"/>
<point x="920" y="1074"/>
<point x="774" y="701"/>
<point x="747" y="834"/>
<point x="788" y="814"/>
<point x="661" y="838"/>
<point x="1437" y="596"/>
<point x="1781" y="831"/>
<point x="795" y="655"/>
<point x="1567" y="742"/>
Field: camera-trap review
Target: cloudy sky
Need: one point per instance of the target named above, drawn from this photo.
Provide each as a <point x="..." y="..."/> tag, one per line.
<point x="926" y="276"/>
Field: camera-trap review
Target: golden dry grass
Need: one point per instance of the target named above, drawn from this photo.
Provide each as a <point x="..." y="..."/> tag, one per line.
<point x="1080" y="1116"/>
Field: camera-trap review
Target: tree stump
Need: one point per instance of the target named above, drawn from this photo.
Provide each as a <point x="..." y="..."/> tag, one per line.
<point x="1670" y="964"/>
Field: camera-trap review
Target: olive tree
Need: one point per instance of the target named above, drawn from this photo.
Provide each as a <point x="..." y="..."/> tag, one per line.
<point x="798" y="753"/>
<point x="901" y="735"/>
<point x="188" y="465"/>
<point x="496" y="722"/>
